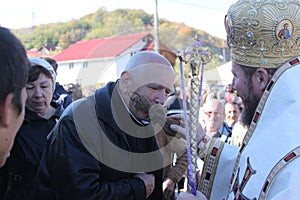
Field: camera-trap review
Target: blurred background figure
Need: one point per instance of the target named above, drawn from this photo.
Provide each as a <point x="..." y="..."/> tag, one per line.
<point x="176" y="155"/>
<point x="173" y="103"/>
<point x="60" y="95"/>
<point x="174" y="174"/>
<point x="74" y="89"/>
<point x="213" y="115"/>
<point x="232" y="113"/>
<point x="229" y="93"/>
<point x="238" y="133"/>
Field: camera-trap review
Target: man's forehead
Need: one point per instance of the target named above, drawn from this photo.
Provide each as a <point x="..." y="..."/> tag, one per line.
<point x="213" y="106"/>
<point x="231" y="106"/>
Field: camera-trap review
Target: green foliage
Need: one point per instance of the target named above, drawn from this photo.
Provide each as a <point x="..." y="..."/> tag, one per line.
<point x="118" y="22"/>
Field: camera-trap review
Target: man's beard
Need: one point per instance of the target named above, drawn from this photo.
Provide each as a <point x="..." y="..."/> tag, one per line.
<point x="140" y="102"/>
<point x="248" y="111"/>
<point x="250" y="104"/>
<point x="155" y="113"/>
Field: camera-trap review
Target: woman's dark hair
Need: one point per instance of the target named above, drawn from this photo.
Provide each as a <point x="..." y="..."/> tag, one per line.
<point x="14" y="66"/>
<point x="35" y="71"/>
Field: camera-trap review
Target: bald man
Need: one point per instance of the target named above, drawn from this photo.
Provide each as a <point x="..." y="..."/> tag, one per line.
<point x="213" y="118"/>
<point x="104" y="145"/>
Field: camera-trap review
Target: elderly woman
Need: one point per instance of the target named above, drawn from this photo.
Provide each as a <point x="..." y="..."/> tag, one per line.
<point x="41" y="115"/>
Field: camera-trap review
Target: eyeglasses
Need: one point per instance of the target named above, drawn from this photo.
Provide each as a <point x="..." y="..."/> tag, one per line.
<point x="210" y="113"/>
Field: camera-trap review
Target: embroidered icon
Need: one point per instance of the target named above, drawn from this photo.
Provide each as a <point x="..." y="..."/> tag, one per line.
<point x="284" y="29"/>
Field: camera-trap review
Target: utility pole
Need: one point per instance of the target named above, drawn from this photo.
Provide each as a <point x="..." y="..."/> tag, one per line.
<point x="33" y="17"/>
<point x="156" y="34"/>
<point x="224" y="53"/>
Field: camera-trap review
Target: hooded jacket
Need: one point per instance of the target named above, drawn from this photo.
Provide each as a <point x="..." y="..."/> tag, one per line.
<point x="18" y="174"/>
<point x="68" y="169"/>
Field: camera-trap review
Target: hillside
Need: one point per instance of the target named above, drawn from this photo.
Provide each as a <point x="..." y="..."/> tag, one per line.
<point x="123" y="21"/>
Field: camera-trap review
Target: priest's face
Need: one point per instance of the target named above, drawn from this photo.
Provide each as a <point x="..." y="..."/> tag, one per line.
<point x="243" y="83"/>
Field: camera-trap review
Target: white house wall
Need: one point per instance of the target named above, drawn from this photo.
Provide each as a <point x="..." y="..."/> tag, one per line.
<point x="113" y="69"/>
<point x="93" y="72"/>
<point x="100" y="70"/>
<point x="109" y="73"/>
<point x="125" y="56"/>
<point x="66" y="75"/>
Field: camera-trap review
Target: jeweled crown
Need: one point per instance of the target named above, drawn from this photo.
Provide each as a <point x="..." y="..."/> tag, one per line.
<point x="263" y="33"/>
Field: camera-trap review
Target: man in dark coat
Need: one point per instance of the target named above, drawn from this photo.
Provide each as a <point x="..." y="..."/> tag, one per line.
<point x="104" y="147"/>
<point x="13" y="77"/>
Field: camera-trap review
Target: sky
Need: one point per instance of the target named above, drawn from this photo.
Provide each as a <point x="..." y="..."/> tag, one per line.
<point x="206" y="15"/>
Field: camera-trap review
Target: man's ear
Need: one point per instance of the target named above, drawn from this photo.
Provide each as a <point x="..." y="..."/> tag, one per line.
<point x="261" y="78"/>
<point x="124" y="80"/>
<point x="4" y="110"/>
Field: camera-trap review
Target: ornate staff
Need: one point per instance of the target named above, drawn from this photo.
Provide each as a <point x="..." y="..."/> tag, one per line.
<point x="195" y="56"/>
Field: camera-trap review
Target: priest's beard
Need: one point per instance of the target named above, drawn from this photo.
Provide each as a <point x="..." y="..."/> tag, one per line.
<point x="250" y="103"/>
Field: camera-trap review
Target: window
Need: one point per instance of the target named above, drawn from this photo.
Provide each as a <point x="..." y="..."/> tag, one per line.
<point x="71" y="65"/>
<point x="85" y="65"/>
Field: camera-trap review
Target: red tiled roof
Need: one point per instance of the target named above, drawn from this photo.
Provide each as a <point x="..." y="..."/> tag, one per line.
<point x="99" y="48"/>
<point x="33" y="53"/>
<point x="163" y="49"/>
<point x="38" y="52"/>
<point x="149" y="45"/>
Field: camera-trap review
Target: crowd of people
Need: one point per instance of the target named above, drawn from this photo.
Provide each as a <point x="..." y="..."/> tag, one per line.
<point x="125" y="141"/>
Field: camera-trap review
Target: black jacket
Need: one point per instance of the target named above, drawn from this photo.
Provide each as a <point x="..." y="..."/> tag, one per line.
<point x="61" y="96"/>
<point x="69" y="171"/>
<point x="19" y="172"/>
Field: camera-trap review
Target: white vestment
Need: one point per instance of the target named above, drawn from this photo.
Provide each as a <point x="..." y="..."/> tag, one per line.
<point x="267" y="165"/>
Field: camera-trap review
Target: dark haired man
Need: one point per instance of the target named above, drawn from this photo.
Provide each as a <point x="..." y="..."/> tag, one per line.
<point x="13" y="77"/>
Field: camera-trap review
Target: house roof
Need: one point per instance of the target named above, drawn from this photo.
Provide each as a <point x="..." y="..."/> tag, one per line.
<point x="100" y="48"/>
<point x="43" y="51"/>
